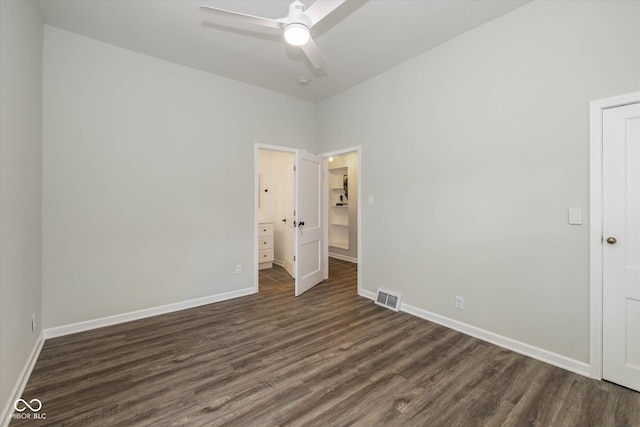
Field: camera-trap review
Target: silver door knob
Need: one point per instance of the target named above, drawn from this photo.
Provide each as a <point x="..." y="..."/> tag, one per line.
<point x="611" y="240"/>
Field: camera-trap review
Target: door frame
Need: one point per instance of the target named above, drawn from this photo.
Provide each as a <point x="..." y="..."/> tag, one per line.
<point x="256" y="202"/>
<point x="325" y="207"/>
<point x="596" y="225"/>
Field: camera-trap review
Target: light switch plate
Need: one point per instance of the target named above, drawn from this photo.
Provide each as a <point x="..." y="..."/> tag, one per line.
<point x="575" y="216"/>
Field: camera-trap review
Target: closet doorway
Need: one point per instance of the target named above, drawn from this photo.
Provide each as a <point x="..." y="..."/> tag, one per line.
<point x="343" y="210"/>
<point x="276" y="201"/>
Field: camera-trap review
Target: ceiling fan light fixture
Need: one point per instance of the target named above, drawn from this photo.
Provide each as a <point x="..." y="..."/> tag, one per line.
<point x="296" y="25"/>
<point x="296" y="34"/>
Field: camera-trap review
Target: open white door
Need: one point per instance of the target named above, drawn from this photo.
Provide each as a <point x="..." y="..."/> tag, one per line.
<point x="309" y="232"/>
<point x="621" y="255"/>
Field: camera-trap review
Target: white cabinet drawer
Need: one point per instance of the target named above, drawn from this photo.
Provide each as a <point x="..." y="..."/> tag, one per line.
<point x="265" y="229"/>
<point x="265" y="255"/>
<point x="265" y="243"/>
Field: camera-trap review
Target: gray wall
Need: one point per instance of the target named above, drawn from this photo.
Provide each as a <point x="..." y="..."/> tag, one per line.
<point x="149" y="178"/>
<point x="474" y="151"/>
<point x="20" y="188"/>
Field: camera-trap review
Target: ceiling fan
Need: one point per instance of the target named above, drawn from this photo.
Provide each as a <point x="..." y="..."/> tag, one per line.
<point x="296" y="25"/>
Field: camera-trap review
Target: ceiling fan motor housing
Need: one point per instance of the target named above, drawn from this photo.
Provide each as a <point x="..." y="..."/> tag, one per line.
<point x="296" y="16"/>
<point x="296" y="6"/>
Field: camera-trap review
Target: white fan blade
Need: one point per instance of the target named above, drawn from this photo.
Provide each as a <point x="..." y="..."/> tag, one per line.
<point x="313" y="53"/>
<point x="257" y="20"/>
<point x="321" y="8"/>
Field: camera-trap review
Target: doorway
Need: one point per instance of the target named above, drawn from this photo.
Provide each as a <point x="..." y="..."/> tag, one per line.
<point x="289" y="223"/>
<point x="343" y="212"/>
<point x="615" y="240"/>
<point x="275" y="217"/>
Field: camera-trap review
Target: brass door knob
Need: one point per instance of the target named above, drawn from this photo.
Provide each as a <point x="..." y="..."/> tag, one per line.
<point x="611" y="240"/>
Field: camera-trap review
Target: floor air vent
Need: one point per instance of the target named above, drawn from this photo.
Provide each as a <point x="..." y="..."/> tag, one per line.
<point x="388" y="299"/>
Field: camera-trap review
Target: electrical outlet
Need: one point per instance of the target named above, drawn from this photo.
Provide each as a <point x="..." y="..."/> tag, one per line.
<point x="238" y="268"/>
<point x="33" y="322"/>
<point x="459" y="303"/>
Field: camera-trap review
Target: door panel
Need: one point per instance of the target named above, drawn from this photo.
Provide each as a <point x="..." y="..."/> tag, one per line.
<point x="621" y="252"/>
<point x="309" y="213"/>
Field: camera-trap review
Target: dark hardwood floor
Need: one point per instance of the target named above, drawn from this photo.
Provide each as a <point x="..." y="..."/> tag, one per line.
<point x="326" y="358"/>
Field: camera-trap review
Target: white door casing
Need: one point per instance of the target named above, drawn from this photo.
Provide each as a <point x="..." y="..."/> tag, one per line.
<point x="621" y="240"/>
<point x="309" y="234"/>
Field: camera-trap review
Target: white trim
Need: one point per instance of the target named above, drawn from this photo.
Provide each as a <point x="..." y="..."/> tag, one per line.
<point x="342" y="151"/>
<point x="355" y="149"/>
<point x="596" y="226"/>
<point x="87" y="325"/>
<point x="343" y="257"/>
<point x="18" y="389"/>
<point x="367" y="294"/>
<point x="537" y="353"/>
<point x="528" y="350"/>
<point x="277" y="148"/>
<point x="325" y="217"/>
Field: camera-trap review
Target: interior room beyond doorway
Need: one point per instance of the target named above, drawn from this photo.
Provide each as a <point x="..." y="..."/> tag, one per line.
<point x="342" y="182"/>
<point x="276" y="193"/>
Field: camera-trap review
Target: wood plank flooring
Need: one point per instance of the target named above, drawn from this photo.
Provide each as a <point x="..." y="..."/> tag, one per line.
<point x="327" y="358"/>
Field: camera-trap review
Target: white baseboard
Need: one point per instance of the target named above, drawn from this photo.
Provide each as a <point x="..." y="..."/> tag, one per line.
<point x="537" y="353"/>
<point x="343" y="257"/>
<point x="16" y="393"/>
<point x="367" y="294"/>
<point x="73" y="328"/>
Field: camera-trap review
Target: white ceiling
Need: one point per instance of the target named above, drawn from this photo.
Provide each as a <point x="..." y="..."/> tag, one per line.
<point x="359" y="40"/>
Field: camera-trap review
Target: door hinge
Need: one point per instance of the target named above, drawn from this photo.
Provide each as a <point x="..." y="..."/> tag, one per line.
<point x="294" y="257"/>
<point x="294" y="168"/>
